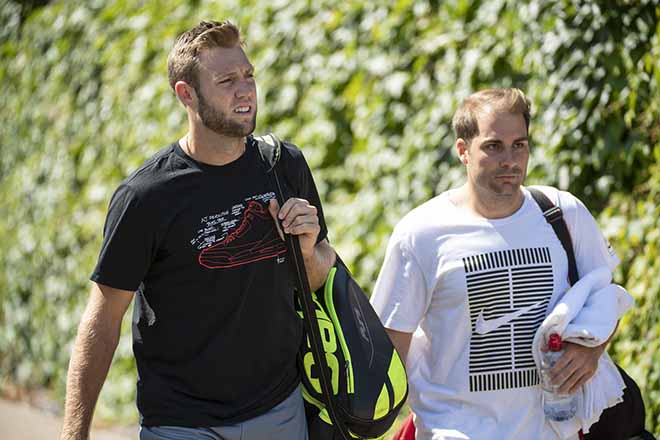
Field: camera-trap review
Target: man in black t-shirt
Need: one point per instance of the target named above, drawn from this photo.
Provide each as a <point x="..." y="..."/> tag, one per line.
<point x="192" y="234"/>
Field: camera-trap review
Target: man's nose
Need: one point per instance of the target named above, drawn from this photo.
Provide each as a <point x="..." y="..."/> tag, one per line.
<point x="507" y="158"/>
<point x="245" y="88"/>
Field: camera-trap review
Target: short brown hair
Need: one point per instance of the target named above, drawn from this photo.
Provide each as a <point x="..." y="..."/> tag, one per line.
<point x="183" y="60"/>
<point x="511" y="100"/>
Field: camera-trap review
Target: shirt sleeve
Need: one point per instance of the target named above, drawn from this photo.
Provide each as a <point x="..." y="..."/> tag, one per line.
<point x="592" y="249"/>
<point x="128" y="242"/>
<point x="401" y="296"/>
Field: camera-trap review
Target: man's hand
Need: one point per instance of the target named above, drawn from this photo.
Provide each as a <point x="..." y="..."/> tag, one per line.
<point x="301" y="219"/>
<point x="577" y="365"/>
<point x="298" y="218"/>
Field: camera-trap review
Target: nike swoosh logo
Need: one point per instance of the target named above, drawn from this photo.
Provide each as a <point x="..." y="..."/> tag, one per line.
<point x="484" y="326"/>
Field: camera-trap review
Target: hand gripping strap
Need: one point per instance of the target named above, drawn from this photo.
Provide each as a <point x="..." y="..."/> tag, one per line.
<point x="269" y="148"/>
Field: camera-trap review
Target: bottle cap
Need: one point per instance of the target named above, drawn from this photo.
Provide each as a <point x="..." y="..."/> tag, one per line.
<point x="554" y="342"/>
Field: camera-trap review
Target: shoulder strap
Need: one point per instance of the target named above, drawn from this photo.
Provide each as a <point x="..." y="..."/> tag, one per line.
<point x="554" y="215"/>
<point x="269" y="149"/>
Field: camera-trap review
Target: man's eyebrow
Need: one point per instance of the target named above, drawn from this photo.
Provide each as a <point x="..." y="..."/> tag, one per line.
<point x="498" y="141"/>
<point x="222" y="75"/>
<point x="491" y="141"/>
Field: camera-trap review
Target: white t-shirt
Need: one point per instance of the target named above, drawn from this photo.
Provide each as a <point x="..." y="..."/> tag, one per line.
<point x="445" y="268"/>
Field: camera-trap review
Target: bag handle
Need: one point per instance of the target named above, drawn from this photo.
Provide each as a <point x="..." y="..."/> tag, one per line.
<point x="269" y="148"/>
<point x="554" y="215"/>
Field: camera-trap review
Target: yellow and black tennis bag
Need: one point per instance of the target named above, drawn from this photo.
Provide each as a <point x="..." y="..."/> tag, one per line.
<point x="354" y="383"/>
<point x="368" y="379"/>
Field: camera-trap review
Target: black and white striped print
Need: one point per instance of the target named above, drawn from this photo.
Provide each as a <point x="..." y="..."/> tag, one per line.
<point x="508" y="294"/>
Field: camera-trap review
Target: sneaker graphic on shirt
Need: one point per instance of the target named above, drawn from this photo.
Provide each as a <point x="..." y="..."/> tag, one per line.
<point x="241" y="246"/>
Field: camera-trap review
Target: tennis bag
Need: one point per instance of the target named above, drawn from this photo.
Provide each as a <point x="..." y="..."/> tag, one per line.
<point x="368" y="378"/>
<point x="353" y="380"/>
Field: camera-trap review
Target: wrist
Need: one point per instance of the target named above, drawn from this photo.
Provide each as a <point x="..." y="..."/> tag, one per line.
<point x="309" y="255"/>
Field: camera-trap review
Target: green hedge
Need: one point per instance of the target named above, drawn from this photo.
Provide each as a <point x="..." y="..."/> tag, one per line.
<point x="367" y="89"/>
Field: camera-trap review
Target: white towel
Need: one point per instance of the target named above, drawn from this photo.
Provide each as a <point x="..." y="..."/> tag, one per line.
<point x="587" y="315"/>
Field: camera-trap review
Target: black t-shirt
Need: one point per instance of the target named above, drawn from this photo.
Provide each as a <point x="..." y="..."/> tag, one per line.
<point x="215" y="332"/>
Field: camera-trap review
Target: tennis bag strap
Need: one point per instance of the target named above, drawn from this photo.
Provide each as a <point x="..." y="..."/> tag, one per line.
<point x="554" y="215"/>
<point x="270" y="148"/>
<point x="611" y="425"/>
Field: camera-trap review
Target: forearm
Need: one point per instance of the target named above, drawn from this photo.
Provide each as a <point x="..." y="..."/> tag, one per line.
<point x="604" y="345"/>
<point x="401" y="342"/>
<point x="88" y="368"/>
<point x="318" y="264"/>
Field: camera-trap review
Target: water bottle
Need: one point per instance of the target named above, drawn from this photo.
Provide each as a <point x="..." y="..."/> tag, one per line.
<point x="556" y="406"/>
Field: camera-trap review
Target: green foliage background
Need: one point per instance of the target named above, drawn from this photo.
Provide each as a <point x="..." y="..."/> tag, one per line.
<point x="366" y="89"/>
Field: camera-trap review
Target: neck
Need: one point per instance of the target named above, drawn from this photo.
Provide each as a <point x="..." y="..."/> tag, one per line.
<point x="211" y="148"/>
<point x="486" y="205"/>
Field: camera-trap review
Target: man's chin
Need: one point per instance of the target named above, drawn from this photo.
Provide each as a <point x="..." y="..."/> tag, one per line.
<point x="237" y="131"/>
<point x="248" y="129"/>
<point x="506" y="190"/>
<point x="245" y="132"/>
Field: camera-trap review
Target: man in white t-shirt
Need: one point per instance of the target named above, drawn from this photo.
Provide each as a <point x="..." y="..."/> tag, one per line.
<point x="484" y="251"/>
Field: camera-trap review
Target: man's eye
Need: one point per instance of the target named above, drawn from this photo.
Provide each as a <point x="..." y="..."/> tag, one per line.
<point x="225" y="81"/>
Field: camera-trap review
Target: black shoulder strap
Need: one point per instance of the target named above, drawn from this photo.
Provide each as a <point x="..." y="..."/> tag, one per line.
<point x="269" y="149"/>
<point x="554" y="215"/>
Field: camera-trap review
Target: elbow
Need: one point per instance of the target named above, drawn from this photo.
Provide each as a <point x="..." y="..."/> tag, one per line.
<point x="95" y="332"/>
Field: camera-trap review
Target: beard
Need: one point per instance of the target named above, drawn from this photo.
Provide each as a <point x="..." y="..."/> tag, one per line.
<point x="221" y="123"/>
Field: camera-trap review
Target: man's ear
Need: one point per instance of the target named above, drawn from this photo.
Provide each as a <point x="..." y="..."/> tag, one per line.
<point x="462" y="150"/>
<point x="186" y="94"/>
